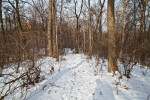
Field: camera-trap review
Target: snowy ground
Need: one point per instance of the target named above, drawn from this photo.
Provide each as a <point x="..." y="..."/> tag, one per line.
<point x="77" y="78"/>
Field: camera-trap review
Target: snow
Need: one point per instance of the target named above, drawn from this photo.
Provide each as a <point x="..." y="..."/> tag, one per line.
<point x="78" y="78"/>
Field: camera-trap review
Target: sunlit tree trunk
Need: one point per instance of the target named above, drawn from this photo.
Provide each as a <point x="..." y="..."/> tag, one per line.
<point x="54" y="29"/>
<point x="49" y="34"/>
<point x="112" y="57"/>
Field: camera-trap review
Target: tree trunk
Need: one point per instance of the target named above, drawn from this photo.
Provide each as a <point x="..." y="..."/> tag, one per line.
<point x="10" y="26"/>
<point x="52" y="33"/>
<point x="49" y="34"/>
<point x="54" y="29"/>
<point x="100" y="25"/>
<point x="100" y="20"/>
<point x="83" y="30"/>
<point x="143" y="14"/>
<point x="4" y="36"/>
<point x="125" y="4"/>
<point x="20" y="29"/>
<point x="134" y="19"/>
<point x="90" y="31"/>
<point x="1" y="71"/>
<point x="142" y="24"/>
<point x="77" y="35"/>
<point x="112" y="57"/>
<point x="124" y="21"/>
<point x="77" y="25"/>
<point x="2" y="25"/>
<point x="6" y="21"/>
<point x="60" y="27"/>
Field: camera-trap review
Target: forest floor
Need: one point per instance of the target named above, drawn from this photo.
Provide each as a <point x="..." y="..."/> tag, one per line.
<point x="77" y="78"/>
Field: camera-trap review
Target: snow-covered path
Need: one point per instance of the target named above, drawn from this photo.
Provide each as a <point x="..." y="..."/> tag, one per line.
<point x="77" y="80"/>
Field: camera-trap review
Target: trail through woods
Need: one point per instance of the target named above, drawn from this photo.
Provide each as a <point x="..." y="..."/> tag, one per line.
<point x="83" y="79"/>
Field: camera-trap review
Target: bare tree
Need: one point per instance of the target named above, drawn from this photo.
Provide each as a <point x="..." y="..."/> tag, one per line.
<point x="20" y="29"/>
<point x="49" y="34"/>
<point x="4" y="36"/>
<point x="52" y="33"/>
<point x="41" y="10"/>
<point x="2" y="25"/>
<point x="142" y="5"/>
<point x="100" y="16"/>
<point x="90" y="31"/>
<point x="55" y="50"/>
<point x="77" y="24"/>
<point x="125" y="4"/>
<point x="112" y="57"/>
<point x="60" y="23"/>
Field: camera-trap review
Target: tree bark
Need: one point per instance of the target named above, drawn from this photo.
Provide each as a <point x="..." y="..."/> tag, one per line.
<point x="60" y="26"/>
<point x="100" y="20"/>
<point x="90" y="31"/>
<point x="2" y="29"/>
<point x="10" y="26"/>
<point x="54" y="29"/>
<point x="77" y="25"/>
<point x="143" y="14"/>
<point x="20" y="29"/>
<point x="112" y="57"/>
<point x="2" y="25"/>
<point x="83" y="30"/>
<point x="134" y="19"/>
<point x="124" y="19"/>
<point x="125" y="4"/>
<point x="49" y="34"/>
<point x="142" y="24"/>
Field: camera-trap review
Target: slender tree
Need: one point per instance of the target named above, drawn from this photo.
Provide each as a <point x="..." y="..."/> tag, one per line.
<point x="54" y="29"/>
<point x="90" y="31"/>
<point x="134" y="18"/>
<point x="2" y="24"/>
<point x="60" y="23"/>
<point x="125" y="4"/>
<point x="20" y="29"/>
<point x="77" y="24"/>
<point x="100" y="16"/>
<point x="2" y="29"/>
<point x="19" y="26"/>
<point x="49" y="34"/>
<point x="4" y="36"/>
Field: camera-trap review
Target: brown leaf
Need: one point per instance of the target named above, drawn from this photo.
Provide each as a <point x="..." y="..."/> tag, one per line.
<point x="126" y="88"/>
<point x="120" y="77"/>
<point x="95" y="74"/>
<point x="117" y="83"/>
